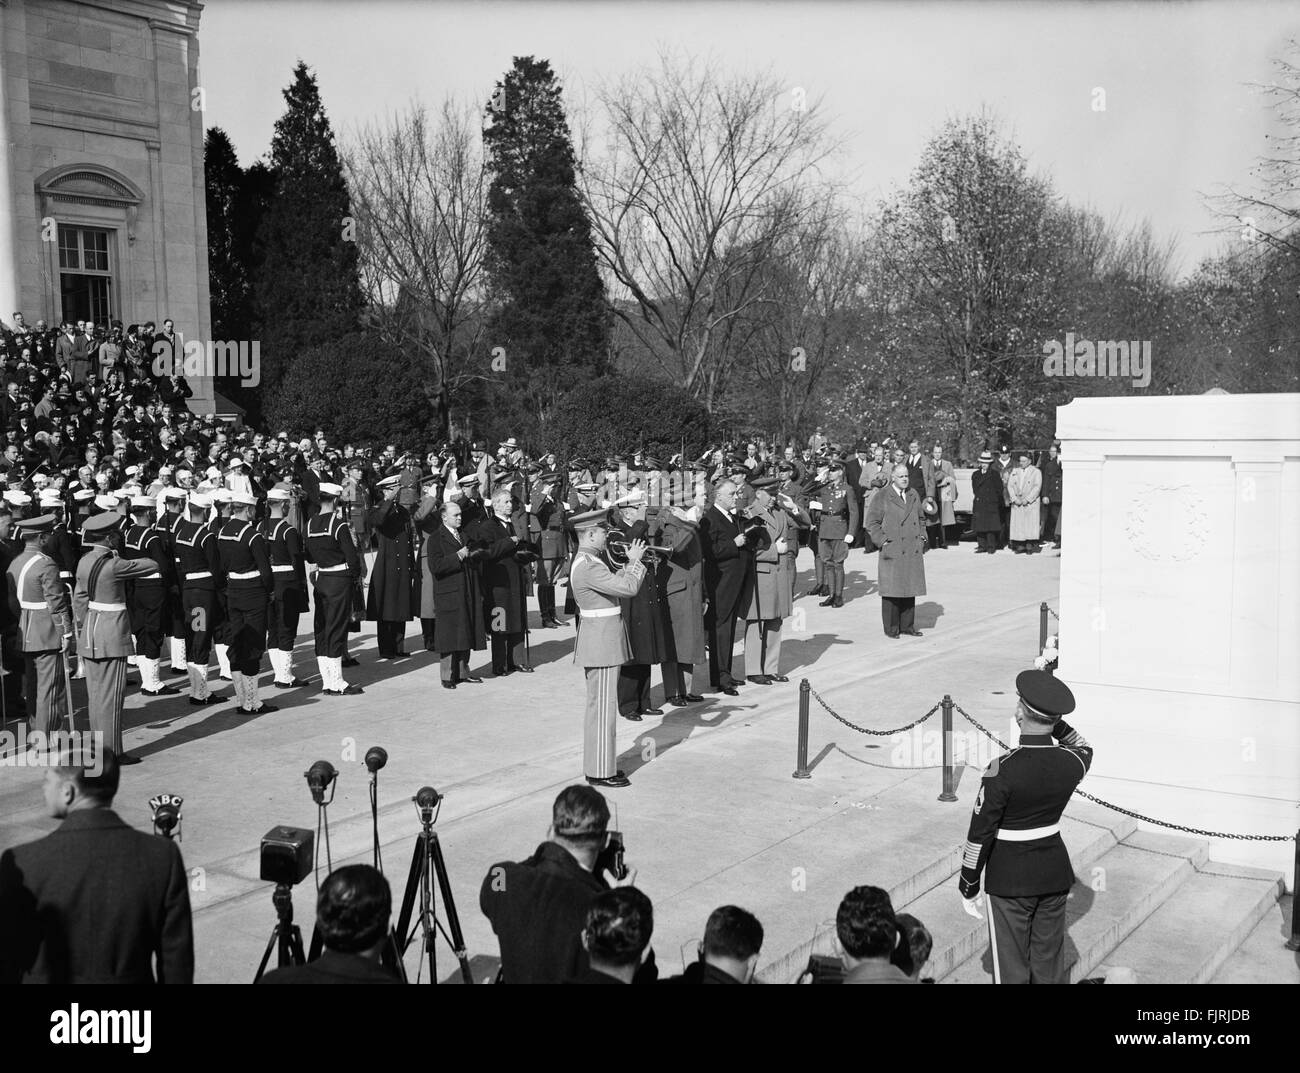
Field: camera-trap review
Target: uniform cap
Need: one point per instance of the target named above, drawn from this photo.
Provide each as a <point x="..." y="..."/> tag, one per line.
<point x="201" y="500"/>
<point x="131" y="471"/>
<point x="81" y="495"/>
<point x="144" y="503"/>
<point x="42" y="524"/>
<point x="17" y="498"/>
<point x="389" y="482"/>
<point x="764" y="483"/>
<point x="212" y="473"/>
<point x="173" y="493"/>
<point x="102" y="523"/>
<point x="586" y="486"/>
<point x="331" y="491"/>
<point x="106" y="502"/>
<point x="279" y="494"/>
<point x="50" y="499"/>
<point x="243" y="499"/>
<point x="1045" y="693"/>
<point x="589" y="519"/>
<point x="986" y="456"/>
<point x="222" y="495"/>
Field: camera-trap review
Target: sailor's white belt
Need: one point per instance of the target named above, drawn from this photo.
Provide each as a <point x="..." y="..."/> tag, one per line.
<point x="282" y="569"/>
<point x="30" y="605"/>
<point x="155" y="576"/>
<point x="1029" y="834"/>
<point x="198" y="574"/>
<point x="333" y="569"/>
<point x="600" y="612"/>
<point x="244" y="575"/>
<point x="94" y="606"/>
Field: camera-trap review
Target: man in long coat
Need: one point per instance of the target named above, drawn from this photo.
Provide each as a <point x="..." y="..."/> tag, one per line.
<point x="1023" y="486"/>
<point x="394" y="582"/>
<point x="941" y="486"/>
<point x="771" y="601"/>
<point x="458" y="626"/>
<point x="728" y="580"/>
<point x="647" y="623"/>
<point x="986" y="514"/>
<point x="547" y="509"/>
<point x="894" y="524"/>
<point x="427" y="517"/>
<point x="681" y="590"/>
<point x="1052" y="482"/>
<point x="505" y="584"/>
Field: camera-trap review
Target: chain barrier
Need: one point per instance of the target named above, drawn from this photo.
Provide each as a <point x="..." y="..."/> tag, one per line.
<point x="864" y="730"/>
<point x="1054" y="614"/>
<point x="1137" y="815"/>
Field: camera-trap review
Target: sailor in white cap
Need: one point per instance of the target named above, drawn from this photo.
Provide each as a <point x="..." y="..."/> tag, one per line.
<point x="284" y="546"/>
<point x="198" y="569"/>
<point x="472" y="510"/>
<point x="148" y="595"/>
<point x="249" y="586"/>
<point x="328" y="544"/>
<point x="170" y="512"/>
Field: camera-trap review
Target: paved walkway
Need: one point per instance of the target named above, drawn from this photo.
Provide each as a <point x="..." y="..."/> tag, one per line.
<point x="712" y="813"/>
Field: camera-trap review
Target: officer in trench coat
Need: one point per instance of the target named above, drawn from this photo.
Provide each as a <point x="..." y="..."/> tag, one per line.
<point x="771" y="601"/>
<point x="894" y="524"/>
<point x="681" y="584"/>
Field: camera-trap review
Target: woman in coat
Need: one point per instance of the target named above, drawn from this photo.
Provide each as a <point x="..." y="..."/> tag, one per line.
<point x="986" y="514"/>
<point x="681" y="584"/>
<point x="1023" y="487"/>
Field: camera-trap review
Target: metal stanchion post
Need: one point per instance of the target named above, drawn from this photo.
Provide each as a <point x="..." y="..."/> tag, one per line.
<point x="949" y="789"/>
<point x="1042" y="626"/>
<point x="1294" y="942"/>
<point x="802" y="772"/>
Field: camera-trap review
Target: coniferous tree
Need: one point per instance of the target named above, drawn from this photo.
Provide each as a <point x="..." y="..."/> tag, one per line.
<point x="551" y="314"/>
<point x="306" y="291"/>
<point x="227" y="274"/>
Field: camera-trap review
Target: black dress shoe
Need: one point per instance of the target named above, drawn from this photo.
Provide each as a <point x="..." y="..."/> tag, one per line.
<point x="631" y="717"/>
<point x="126" y="759"/>
<point x="211" y="698"/>
<point x="350" y="661"/>
<point x="694" y="698"/>
<point x="730" y="691"/>
<point x="503" y="672"/>
<point x="760" y="679"/>
<point x="617" y="779"/>
<point x="297" y="683"/>
<point x="892" y="636"/>
<point x="263" y="710"/>
<point x="677" y="701"/>
<point x="346" y="691"/>
<point x="165" y="691"/>
<point x="910" y="633"/>
<point x="651" y="711"/>
<point x="225" y="678"/>
<point x="778" y="677"/>
<point x="523" y="669"/>
<point x="838" y="602"/>
<point x="448" y="685"/>
<point x="471" y="680"/>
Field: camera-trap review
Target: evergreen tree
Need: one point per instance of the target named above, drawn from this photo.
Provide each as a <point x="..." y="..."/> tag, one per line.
<point x="227" y="274"/>
<point x="551" y="314"/>
<point x="306" y="291"/>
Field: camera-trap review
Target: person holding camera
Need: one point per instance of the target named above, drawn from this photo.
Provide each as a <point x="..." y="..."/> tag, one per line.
<point x="616" y="937"/>
<point x="353" y="915"/>
<point x="538" y="907"/>
<point x="729" y="951"/>
<point x="95" y="901"/>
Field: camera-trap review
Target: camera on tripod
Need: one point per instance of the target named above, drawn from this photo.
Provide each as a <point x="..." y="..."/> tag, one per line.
<point x="287" y="855"/>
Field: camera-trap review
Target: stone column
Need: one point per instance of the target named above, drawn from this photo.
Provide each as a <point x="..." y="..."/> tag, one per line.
<point x="10" y="283"/>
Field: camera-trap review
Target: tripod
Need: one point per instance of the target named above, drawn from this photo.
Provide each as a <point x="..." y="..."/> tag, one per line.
<point x="285" y="935"/>
<point x="425" y="862"/>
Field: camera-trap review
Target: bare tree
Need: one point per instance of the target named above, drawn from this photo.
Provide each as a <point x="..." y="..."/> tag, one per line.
<point x="704" y="180"/>
<point x="419" y="189"/>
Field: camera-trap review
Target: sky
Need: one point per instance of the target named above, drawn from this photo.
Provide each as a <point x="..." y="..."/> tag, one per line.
<point x="1181" y="117"/>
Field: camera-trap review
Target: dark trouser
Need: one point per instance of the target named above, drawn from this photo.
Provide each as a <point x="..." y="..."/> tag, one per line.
<point x="1051" y="519"/>
<point x="570" y="605"/>
<point x="426" y="630"/>
<point x="288" y="604"/>
<point x="200" y="619"/>
<point x="1027" y="939"/>
<point x="12" y="683"/>
<point x="633" y="688"/>
<point x="507" y="651"/>
<point x="546" y="601"/>
<point x="722" y="643"/>
<point x="682" y="680"/>
<point x="819" y="567"/>
<point x="389" y="636"/>
<point x="833" y="553"/>
<point x="899" y="614"/>
<point x="147" y="607"/>
<point x="1004" y="537"/>
<point x="333" y="614"/>
<point x="247" y="611"/>
<point x="454" y="666"/>
<point x="987" y="540"/>
<point x="937" y="536"/>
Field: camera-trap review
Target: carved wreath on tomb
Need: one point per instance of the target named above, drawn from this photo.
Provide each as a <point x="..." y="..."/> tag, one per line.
<point x="1167" y="522"/>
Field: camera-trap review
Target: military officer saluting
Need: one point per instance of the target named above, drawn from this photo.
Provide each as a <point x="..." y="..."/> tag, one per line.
<point x="328" y="544"/>
<point x="198" y="570"/>
<point x="839" y="522"/>
<point x="601" y="646"/>
<point x="45" y="631"/>
<point x="1015" y="838"/>
<point x="247" y="567"/>
<point x="284" y="544"/>
<point x="99" y="603"/>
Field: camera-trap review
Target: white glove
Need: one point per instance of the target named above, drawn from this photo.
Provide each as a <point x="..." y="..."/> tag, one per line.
<point x="973" y="906"/>
<point x="782" y="547"/>
<point x="848" y="539"/>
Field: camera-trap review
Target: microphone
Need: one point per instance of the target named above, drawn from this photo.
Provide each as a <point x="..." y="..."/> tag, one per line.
<point x="376" y="758"/>
<point x="319" y="776"/>
<point x="427" y="797"/>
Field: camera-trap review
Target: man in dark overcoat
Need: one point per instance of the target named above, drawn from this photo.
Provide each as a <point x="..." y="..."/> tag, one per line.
<point x="894" y="523"/>
<point x="682" y="592"/>
<point x="647" y="623"/>
<point x="986" y="513"/>
<point x="728" y="580"/>
<point x="394" y="595"/>
<point x="458" y="626"/>
<point x="505" y="584"/>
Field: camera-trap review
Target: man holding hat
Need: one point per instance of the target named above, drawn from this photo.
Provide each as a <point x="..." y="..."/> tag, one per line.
<point x="289" y="574"/>
<point x="328" y="544"/>
<point x="249" y="587"/>
<point x="99" y="604"/>
<point x="1015" y="840"/>
<point x="601" y="647"/>
<point x="45" y="630"/>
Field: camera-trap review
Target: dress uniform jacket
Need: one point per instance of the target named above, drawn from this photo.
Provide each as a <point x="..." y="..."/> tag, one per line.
<point x="458" y="624"/>
<point x="602" y="639"/>
<point x="1052" y="481"/>
<point x="728" y="570"/>
<point x="63" y="548"/>
<point x="40" y="600"/>
<point x="682" y="587"/>
<point x="106" y="623"/>
<point x="986" y="489"/>
<point x="839" y="515"/>
<point x="394" y="580"/>
<point x="1023" y="486"/>
<point x="902" y="566"/>
<point x="505" y="578"/>
<point x="95" y="902"/>
<point x="1014" y="837"/>
<point x="773" y="570"/>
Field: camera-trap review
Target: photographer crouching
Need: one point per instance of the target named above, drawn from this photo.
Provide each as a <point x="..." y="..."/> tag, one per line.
<point x="538" y="907"/>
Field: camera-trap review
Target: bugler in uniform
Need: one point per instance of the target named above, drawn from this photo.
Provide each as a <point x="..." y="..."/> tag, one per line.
<point x="1015" y="838"/>
<point x="45" y="634"/>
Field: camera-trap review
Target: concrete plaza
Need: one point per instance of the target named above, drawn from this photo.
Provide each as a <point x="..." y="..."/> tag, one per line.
<point x="712" y="815"/>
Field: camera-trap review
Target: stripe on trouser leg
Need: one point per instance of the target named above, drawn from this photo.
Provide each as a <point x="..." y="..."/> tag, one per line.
<point x="993" y="940"/>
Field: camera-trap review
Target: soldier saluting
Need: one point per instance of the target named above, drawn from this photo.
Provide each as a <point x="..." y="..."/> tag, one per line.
<point x="198" y="569"/>
<point x="1015" y="837"/>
